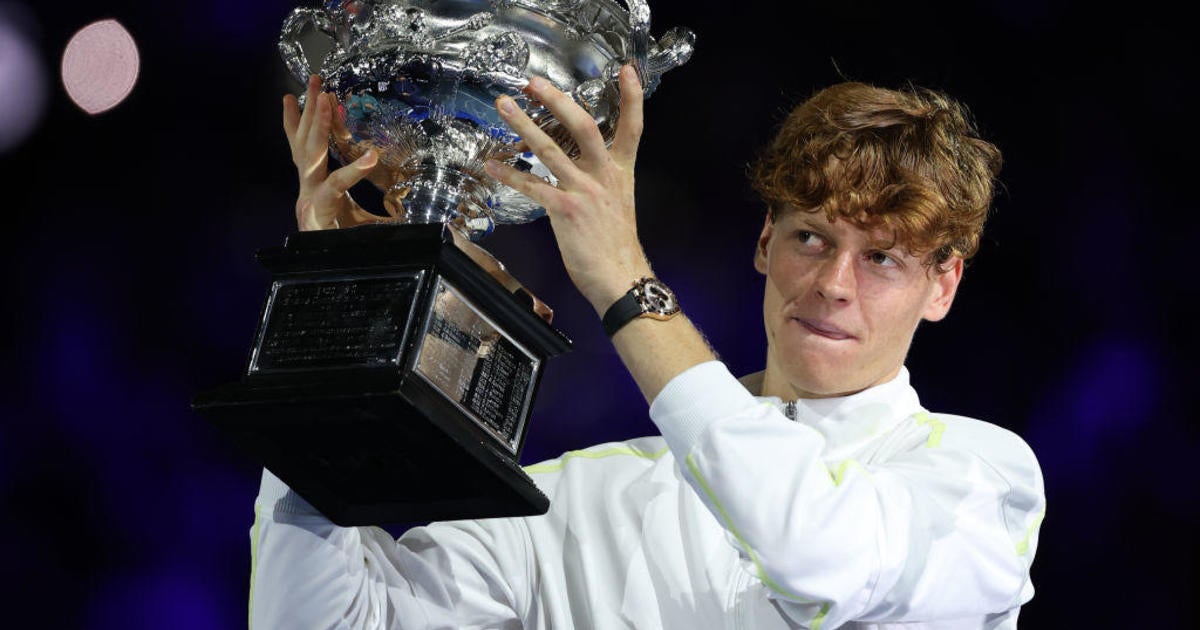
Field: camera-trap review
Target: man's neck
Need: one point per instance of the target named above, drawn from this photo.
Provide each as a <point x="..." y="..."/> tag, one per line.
<point x="753" y="382"/>
<point x="771" y="382"/>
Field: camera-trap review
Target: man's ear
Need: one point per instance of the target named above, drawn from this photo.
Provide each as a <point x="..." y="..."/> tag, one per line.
<point x="945" y="285"/>
<point x="764" y="240"/>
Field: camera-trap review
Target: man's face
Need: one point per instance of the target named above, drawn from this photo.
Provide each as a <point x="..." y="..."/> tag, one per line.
<point x="841" y="307"/>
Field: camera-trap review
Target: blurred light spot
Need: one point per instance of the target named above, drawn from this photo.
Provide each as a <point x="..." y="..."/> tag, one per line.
<point x="1102" y="405"/>
<point x="100" y="66"/>
<point x="22" y="80"/>
<point x="164" y="595"/>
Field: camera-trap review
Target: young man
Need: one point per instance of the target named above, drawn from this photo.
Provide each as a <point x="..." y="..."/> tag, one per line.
<point x="817" y="493"/>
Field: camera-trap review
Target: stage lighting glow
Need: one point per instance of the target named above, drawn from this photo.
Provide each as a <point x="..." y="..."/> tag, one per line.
<point x="22" y="82"/>
<point x="100" y="66"/>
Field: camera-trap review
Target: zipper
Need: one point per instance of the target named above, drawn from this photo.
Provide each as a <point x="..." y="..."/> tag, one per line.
<point x="789" y="410"/>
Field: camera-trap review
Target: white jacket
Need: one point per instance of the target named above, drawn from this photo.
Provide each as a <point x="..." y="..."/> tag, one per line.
<point x="865" y="511"/>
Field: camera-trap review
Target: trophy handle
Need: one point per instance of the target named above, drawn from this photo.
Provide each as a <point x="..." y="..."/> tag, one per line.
<point x="672" y="51"/>
<point x="289" y="41"/>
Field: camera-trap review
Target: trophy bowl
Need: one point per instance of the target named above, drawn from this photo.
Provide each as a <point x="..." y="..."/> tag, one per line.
<point x="416" y="81"/>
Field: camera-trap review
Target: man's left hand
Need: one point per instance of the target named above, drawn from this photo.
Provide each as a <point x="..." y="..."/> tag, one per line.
<point x="592" y="210"/>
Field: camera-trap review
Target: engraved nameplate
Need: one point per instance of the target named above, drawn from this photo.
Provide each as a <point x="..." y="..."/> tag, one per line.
<point x="476" y="365"/>
<point x="335" y="323"/>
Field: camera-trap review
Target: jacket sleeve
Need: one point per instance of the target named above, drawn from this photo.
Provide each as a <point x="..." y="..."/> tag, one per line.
<point x="307" y="572"/>
<point x="946" y="530"/>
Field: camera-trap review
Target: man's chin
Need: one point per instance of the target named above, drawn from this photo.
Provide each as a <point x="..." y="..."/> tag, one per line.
<point x="822" y="382"/>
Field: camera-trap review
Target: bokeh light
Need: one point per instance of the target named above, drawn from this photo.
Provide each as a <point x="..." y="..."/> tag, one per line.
<point x="100" y="66"/>
<point x="22" y="78"/>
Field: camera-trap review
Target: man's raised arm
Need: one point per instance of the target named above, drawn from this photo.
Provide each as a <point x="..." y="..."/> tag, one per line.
<point x="592" y="211"/>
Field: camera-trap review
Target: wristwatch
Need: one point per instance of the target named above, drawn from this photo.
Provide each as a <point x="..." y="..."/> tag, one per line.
<point x="649" y="297"/>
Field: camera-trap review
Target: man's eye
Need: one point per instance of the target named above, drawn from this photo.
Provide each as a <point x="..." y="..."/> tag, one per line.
<point x="808" y="238"/>
<point x="882" y="259"/>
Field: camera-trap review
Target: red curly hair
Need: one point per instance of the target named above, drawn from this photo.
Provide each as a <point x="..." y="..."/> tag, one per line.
<point x="908" y="160"/>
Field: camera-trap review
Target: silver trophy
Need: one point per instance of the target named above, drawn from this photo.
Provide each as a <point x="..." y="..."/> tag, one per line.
<point x="416" y="80"/>
<point x="392" y="376"/>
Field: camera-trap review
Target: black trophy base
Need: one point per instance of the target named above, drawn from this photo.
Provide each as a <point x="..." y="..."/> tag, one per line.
<point x="371" y="457"/>
<point x="391" y="379"/>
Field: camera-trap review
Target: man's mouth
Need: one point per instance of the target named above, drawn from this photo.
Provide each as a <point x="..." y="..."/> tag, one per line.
<point x="824" y="329"/>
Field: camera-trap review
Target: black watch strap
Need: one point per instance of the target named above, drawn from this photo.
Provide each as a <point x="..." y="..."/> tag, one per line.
<point x="649" y="297"/>
<point x="621" y="312"/>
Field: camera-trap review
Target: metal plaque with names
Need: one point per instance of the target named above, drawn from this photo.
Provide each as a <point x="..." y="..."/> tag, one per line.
<point x="477" y="366"/>
<point x="335" y="322"/>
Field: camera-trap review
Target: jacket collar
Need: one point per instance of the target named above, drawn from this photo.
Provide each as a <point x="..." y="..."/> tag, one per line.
<point x="850" y="422"/>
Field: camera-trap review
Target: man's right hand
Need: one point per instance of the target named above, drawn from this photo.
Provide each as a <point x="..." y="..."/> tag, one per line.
<point x="324" y="201"/>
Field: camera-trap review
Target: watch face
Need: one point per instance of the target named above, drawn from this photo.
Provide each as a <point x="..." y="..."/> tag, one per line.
<point x="657" y="298"/>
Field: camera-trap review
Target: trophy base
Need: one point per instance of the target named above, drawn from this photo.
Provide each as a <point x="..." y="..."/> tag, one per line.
<point x="391" y="379"/>
<point x="364" y="453"/>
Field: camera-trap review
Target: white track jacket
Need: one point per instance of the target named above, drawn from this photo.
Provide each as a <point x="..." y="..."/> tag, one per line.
<point x="864" y="511"/>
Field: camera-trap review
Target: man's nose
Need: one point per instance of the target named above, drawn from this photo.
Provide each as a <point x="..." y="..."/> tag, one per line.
<point x="835" y="278"/>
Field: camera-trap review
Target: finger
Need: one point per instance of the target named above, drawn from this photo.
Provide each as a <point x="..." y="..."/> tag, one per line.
<point x="629" y="126"/>
<point x="537" y="141"/>
<point x="340" y="131"/>
<point x="314" y="88"/>
<point x="529" y="185"/>
<point x="344" y="178"/>
<point x="542" y="310"/>
<point x="312" y="158"/>
<point x="570" y="115"/>
<point x="317" y="142"/>
<point x="291" y="117"/>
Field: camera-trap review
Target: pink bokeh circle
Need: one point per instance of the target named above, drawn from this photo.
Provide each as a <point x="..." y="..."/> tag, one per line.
<point x="100" y="66"/>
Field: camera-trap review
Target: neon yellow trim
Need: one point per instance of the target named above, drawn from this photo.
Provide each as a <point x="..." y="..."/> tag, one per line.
<point x="762" y="575"/>
<point x="839" y="475"/>
<point x="816" y="622"/>
<point x="555" y="466"/>
<point x="935" y="434"/>
<point x="1023" y="546"/>
<point x="253" y="561"/>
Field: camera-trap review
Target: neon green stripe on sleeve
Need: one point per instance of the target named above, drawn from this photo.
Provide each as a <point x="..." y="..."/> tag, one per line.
<point x="935" y="434"/>
<point x="817" y="621"/>
<point x="728" y="522"/>
<point x="253" y="561"/>
<point x="839" y="475"/>
<point x="557" y="465"/>
<point x="1023" y="545"/>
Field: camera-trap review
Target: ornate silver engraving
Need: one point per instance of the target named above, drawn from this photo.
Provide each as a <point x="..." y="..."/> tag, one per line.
<point x="416" y="81"/>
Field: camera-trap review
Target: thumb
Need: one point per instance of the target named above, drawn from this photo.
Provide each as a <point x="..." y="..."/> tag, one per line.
<point x="343" y="178"/>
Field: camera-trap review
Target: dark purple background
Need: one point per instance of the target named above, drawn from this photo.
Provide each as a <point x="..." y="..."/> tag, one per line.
<point x="130" y="284"/>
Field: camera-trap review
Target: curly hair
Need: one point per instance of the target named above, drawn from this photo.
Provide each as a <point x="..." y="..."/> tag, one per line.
<point x="909" y="160"/>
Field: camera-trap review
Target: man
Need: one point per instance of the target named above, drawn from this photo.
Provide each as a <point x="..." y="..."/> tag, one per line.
<point x="817" y="493"/>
